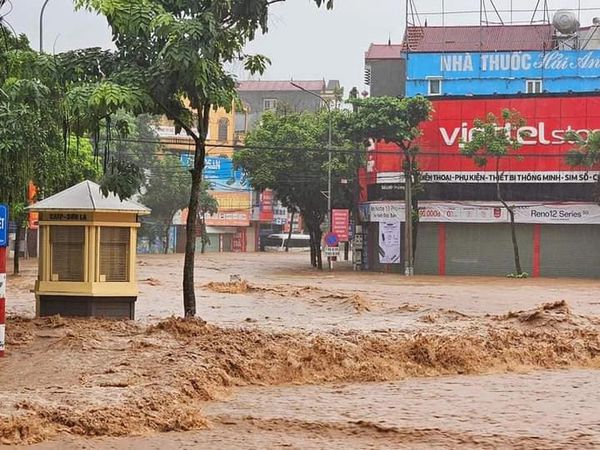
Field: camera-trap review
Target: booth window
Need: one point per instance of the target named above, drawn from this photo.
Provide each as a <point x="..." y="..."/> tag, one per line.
<point x="114" y="254"/>
<point x="67" y="245"/>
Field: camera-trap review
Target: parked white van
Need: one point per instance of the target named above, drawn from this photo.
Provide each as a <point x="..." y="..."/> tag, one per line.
<point x="276" y="243"/>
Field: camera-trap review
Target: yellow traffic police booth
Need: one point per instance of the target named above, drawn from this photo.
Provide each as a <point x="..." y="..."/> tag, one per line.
<point x="87" y="254"/>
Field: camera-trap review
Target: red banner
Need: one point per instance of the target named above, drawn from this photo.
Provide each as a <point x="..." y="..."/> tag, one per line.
<point x="544" y="146"/>
<point x="266" y="206"/>
<point x="340" y="219"/>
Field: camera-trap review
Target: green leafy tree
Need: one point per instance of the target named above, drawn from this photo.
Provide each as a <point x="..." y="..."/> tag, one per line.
<point x="174" y="54"/>
<point x="287" y="153"/>
<point x="397" y="121"/>
<point x="33" y="144"/>
<point x="585" y="154"/>
<point x="495" y="139"/>
<point x="166" y="193"/>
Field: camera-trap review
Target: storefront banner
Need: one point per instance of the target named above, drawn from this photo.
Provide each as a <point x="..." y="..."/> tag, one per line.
<point x="389" y="242"/>
<point x="561" y="213"/>
<point x="490" y="177"/>
<point x="479" y="212"/>
<point x="511" y="177"/>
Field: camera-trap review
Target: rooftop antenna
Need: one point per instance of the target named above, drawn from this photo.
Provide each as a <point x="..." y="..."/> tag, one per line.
<point x="545" y="13"/>
<point x="496" y="11"/>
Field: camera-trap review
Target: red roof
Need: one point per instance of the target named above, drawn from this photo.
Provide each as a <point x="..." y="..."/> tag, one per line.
<point x="479" y="38"/>
<point x="384" y="51"/>
<point x="311" y="85"/>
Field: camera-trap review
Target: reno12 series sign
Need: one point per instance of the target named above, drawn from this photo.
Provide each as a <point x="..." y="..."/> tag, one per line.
<point x="542" y="157"/>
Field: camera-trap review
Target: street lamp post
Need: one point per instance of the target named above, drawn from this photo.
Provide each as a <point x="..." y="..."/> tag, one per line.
<point x="328" y="104"/>
<point x="42" y="25"/>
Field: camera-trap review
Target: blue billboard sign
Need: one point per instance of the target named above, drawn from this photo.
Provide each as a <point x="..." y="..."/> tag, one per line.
<point x="488" y="73"/>
<point x="220" y="173"/>
<point x="3" y="226"/>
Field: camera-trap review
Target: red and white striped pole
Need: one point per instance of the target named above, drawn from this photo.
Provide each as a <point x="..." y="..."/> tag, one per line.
<point x="2" y="298"/>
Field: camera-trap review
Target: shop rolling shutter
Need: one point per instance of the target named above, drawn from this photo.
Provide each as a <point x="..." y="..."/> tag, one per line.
<point x="114" y="253"/>
<point x="570" y="251"/>
<point x="486" y="249"/>
<point x="67" y="253"/>
<point x="426" y="257"/>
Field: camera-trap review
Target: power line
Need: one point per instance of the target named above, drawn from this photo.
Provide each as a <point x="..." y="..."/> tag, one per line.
<point x="324" y="150"/>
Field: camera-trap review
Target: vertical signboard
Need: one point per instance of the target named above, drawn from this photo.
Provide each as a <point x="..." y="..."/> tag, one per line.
<point x="340" y="219"/>
<point x="266" y="206"/>
<point x="389" y="243"/>
<point x="3" y="245"/>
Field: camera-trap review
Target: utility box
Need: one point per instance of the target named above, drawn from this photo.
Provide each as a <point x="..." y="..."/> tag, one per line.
<point x="87" y="254"/>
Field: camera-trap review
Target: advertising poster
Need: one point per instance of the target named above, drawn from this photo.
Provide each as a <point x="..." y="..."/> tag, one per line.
<point x="389" y="242"/>
<point x="340" y="223"/>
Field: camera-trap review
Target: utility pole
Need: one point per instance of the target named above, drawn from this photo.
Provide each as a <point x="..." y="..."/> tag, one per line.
<point x="328" y="104"/>
<point x="409" y="270"/>
<point x="42" y="25"/>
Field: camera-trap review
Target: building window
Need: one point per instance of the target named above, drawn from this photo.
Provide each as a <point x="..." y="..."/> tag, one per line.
<point x="66" y="249"/>
<point x="223" y="129"/>
<point x="434" y="86"/>
<point x="114" y="253"/>
<point x="534" y="87"/>
<point x="269" y="104"/>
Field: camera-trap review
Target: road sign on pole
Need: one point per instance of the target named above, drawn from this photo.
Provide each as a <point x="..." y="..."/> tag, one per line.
<point x="3" y="245"/>
<point x="332" y="240"/>
<point x="3" y="226"/>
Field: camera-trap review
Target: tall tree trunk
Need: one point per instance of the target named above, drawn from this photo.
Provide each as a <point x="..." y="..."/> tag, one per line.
<point x="166" y="236"/>
<point x="189" y="294"/>
<point x="513" y="233"/>
<point x="17" y="258"/>
<point x="313" y="247"/>
<point x="204" y="238"/>
<point x="287" y="243"/>
<point x="511" y="215"/>
<point x="318" y="235"/>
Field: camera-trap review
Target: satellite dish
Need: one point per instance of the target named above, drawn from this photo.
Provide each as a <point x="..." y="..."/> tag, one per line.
<point x="565" y="21"/>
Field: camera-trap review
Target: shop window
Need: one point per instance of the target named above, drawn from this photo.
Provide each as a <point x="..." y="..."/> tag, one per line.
<point x="534" y="87"/>
<point x="434" y="86"/>
<point x="223" y="129"/>
<point x="66" y="250"/>
<point x="269" y="104"/>
<point x="114" y="254"/>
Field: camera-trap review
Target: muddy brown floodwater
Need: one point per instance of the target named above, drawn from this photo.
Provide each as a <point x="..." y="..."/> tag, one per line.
<point x="294" y="358"/>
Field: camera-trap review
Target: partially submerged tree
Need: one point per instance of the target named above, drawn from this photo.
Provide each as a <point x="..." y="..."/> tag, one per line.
<point x="174" y="52"/>
<point x="585" y="154"/>
<point x="166" y="192"/>
<point x="288" y="154"/>
<point x="394" y="120"/>
<point x="495" y="139"/>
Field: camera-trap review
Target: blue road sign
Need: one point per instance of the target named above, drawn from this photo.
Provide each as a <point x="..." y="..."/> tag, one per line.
<point x="332" y="240"/>
<point x="3" y="226"/>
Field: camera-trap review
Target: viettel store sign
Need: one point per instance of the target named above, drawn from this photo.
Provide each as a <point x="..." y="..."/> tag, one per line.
<point x="542" y="155"/>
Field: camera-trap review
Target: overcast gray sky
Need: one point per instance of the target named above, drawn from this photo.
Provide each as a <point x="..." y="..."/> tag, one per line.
<point x="303" y="42"/>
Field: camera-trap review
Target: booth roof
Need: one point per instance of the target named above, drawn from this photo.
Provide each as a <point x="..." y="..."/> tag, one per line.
<point x="86" y="196"/>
